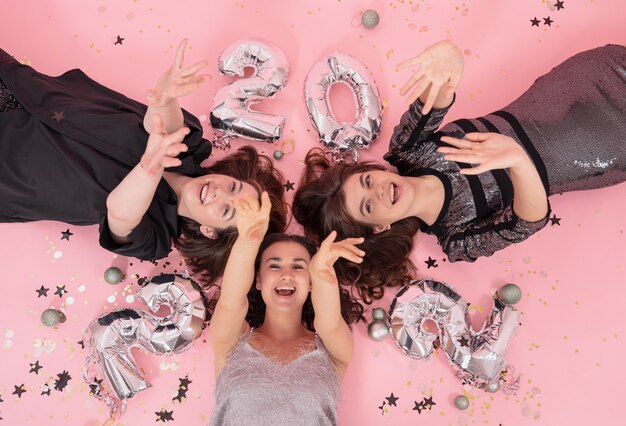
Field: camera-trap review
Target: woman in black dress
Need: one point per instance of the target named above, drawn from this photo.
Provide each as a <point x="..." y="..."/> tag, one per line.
<point x="77" y="152"/>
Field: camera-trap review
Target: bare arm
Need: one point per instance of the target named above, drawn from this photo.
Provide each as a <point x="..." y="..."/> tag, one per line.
<point x="228" y="321"/>
<point x="329" y="324"/>
<point x="129" y="201"/>
<point x="175" y="82"/>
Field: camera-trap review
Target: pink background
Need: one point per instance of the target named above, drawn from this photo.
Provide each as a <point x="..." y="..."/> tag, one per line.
<point x="570" y="347"/>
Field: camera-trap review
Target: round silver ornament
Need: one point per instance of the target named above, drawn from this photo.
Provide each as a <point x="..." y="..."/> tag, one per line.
<point x="278" y="154"/>
<point x="461" y="402"/>
<point x="379" y="314"/>
<point x="510" y="294"/>
<point x="492" y="387"/>
<point x="377" y="331"/>
<point x="113" y="275"/>
<point x="370" y="18"/>
<point x="51" y="317"/>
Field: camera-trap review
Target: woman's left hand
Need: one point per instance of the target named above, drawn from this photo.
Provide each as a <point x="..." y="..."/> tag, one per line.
<point x="321" y="265"/>
<point x="177" y="81"/>
<point x="486" y="151"/>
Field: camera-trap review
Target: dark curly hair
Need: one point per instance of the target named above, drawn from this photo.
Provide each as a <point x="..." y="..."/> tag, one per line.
<point x="351" y="310"/>
<point x="207" y="257"/>
<point x="320" y="207"/>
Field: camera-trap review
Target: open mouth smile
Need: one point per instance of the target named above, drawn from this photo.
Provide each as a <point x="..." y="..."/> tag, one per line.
<point x="285" y="291"/>
<point x="394" y="193"/>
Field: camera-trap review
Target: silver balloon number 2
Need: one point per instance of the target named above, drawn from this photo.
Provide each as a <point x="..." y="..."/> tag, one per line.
<point x="111" y="337"/>
<point x="477" y="356"/>
<point x="231" y="113"/>
<point x="343" y="139"/>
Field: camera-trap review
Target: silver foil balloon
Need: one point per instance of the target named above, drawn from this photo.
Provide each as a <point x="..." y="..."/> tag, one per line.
<point x="478" y="356"/>
<point x="231" y="113"/>
<point x="111" y="337"/>
<point x="343" y="139"/>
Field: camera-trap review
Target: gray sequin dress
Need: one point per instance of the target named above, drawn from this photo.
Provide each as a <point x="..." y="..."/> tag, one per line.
<point x="572" y="124"/>
<point x="252" y="390"/>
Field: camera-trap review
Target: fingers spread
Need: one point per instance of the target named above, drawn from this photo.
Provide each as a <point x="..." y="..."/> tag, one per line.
<point x="411" y="82"/>
<point x="459" y="143"/>
<point x="477" y="137"/>
<point x="180" y="53"/>
<point x="410" y="62"/>
<point x="191" y="70"/>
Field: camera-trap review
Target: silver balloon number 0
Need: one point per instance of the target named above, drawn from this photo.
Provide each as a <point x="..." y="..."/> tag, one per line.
<point x="111" y="337"/>
<point x="341" y="138"/>
<point x="231" y="113"/>
<point x="477" y="356"/>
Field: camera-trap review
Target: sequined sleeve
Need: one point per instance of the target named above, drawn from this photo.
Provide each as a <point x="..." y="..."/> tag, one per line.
<point x="413" y="130"/>
<point x="483" y="237"/>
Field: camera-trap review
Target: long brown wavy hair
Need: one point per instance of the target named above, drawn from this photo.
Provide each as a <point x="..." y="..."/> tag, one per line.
<point x="207" y="257"/>
<point x="351" y="309"/>
<point x="320" y="207"/>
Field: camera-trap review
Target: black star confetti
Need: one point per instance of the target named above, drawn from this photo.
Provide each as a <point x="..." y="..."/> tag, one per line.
<point x="428" y="402"/>
<point x="559" y="5"/>
<point x="382" y="408"/>
<point x="94" y="388"/>
<point x="418" y="407"/>
<point x="463" y="341"/>
<point x="34" y="368"/>
<point x="58" y="116"/>
<point x="182" y="393"/>
<point x="66" y="235"/>
<point x="62" y="380"/>
<point x="47" y="391"/>
<point x="42" y="292"/>
<point x="19" y="390"/>
<point x="432" y="263"/>
<point x="392" y="399"/>
<point x="60" y="291"/>
<point x="547" y="21"/>
<point x="164" y="415"/>
<point x="81" y="343"/>
<point x="184" y="382"/>
<point x="1" y="400"/>
<point x="120" y="40"/>
<point x="534" y="22"/>
<point x="555" y="220"/>
<point x="289" y="186"/>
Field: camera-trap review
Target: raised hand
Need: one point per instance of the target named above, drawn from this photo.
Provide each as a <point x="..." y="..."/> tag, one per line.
<point x="162" y="148"/>
<point x="252" y="220"/>
<point x="321" y="265"/>
<point x="440" y="68"/>
<point x="486" y="151"/>
<point x="177" y="81"/>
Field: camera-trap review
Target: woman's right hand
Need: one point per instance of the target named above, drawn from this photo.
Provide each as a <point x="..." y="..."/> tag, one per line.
<point x="252" y="219"/>
<point x="321" y="264"/>
<point x="441" y="68"/>
<point x="177" y="81"/>
<point x="162" y="148"/>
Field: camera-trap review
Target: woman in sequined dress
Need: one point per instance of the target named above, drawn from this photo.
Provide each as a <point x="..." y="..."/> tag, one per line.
<point x="78" y="152"/>
<point x="279" y="332"/>
<point x="479" y="185"/>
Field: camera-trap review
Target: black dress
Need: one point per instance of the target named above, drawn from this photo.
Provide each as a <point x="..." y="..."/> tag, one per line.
<point x="572" y="124"/>
<point x="66" y="142"/>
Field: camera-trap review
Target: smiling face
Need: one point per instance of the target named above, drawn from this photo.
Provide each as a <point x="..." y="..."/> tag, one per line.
<point x="378" y="198"/>
<point x="209" y="200"/>
<point x="283" y="276"/>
